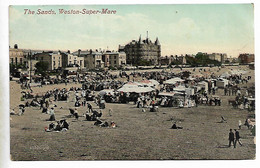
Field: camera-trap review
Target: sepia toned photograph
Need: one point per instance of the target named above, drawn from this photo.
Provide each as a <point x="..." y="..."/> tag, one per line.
<point x="132" y="82"/>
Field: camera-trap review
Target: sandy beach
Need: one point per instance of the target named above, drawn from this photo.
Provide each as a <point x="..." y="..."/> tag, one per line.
<point x="139" y="135"/>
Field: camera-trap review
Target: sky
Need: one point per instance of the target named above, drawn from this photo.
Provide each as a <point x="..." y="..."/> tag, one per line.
<point x="181" y="29"/>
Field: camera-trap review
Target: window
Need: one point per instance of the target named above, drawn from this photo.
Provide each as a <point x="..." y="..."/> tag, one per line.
<point x="114" y="62"/>
<point x="115" y="57"/>
<point x="21" y="60"/>
<point x="53" y="63"/>
<point x="12" y="60"/>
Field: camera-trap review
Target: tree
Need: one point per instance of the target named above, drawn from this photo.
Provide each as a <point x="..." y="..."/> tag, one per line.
<point x="143" y="62"/>
<point x="175" y="62"/>
<point x="42" y="67"/>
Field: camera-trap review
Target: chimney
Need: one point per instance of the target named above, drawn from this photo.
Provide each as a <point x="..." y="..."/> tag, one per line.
<point x="68" y="51"/>
<point x="15" y="46"/>
<point x="79" y="50"/>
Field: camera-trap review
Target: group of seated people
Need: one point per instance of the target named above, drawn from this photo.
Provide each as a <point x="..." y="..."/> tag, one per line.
<point x="105" y="123"/>
<point x="93" y="116"/>
<point x="61" y="125"/>
<point x="74" y="113"/>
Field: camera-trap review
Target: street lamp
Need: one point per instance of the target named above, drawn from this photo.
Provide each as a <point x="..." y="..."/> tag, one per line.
<point x="30" y="55"/>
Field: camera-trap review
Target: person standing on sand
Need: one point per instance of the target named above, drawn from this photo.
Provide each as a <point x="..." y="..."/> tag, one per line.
<point x="52" y="114"/>
<point x="239" y="124"/>
<point x="231" y="138"/>
<point x="89" y="108"/>
<point x="237" y="138"/>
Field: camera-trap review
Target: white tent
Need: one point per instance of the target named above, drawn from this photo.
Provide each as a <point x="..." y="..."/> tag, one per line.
<point x="180" y="89"/>
<point x="238" y="72"/>
<point x="151" y="83"/>
<point x="173" y="80"/>
<point x="134" y="87"/>
<point x="225" y="75"/>
<point x="170" y="94"/>
<point x="106" y="91"/>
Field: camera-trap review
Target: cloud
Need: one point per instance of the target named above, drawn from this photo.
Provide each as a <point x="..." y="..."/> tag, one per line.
<point x="177" y="34"/>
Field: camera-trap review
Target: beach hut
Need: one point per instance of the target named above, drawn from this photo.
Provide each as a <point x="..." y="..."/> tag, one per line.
<point x="189" y="91"/>
<point x="204" y="85"/>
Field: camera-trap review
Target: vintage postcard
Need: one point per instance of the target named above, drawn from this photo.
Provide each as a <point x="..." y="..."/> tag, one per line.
<point x="132" y="82"/>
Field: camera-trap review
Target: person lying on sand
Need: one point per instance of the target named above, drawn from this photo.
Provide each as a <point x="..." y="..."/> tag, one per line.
<point x="113" y="124"/>
<point x="174" y="126"/>
<point x="12" y="112"/>
<point x="58" y="127"/>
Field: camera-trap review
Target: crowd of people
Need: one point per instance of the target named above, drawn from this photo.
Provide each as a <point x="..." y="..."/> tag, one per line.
<point x="93" y="83"/>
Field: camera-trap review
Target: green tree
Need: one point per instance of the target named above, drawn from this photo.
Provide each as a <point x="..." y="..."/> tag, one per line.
<point x="175" y="62"/>
<point x="41" y="67"/>
<point x="143" y="62"/>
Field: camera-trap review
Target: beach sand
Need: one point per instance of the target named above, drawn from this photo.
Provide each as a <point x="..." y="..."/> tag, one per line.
<point x="139" y="135"/>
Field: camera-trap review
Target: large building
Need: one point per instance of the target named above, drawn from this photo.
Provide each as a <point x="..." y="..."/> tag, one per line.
<point x="72" y="60"/>
<point x="16" y="56"/>
<point x="115" y="59"/>
<point x="53" y="58"/>
<point x="220" y="57"/>
<point x="101" y="59"/>
<point x="92" y="59"/>
<point x="137" y="51"/>
<point x="246" y="58"/>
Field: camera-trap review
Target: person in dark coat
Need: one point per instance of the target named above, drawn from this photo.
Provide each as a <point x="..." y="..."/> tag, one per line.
<point x="89" y="108"/>
<point x="64" y="124"/>
<point x="58" y="127"/>
<point x="231" y="138"/>
<point x="237" y="138"/>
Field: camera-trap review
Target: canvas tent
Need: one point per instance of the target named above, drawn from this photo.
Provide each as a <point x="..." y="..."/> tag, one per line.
<point x="225" y="75"/>
<point x="173" y="80"/>
<point x="150" y="83"/>
<point x="170" y="94"/>
<point x="135" y="87"/>
<point x="106" y="91"/>
<point x="180" y="89"/>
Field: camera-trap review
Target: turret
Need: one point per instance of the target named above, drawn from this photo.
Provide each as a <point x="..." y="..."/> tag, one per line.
<point x="157" y="41"/>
